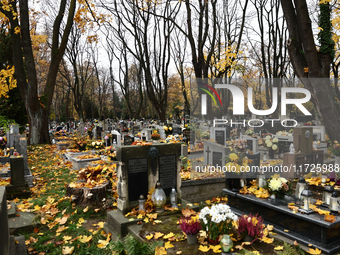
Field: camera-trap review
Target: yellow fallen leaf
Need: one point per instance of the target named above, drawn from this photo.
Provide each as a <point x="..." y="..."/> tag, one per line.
<point x="310" y="245"/>
<point x="149" y="236"/>
<point x="168" y="235"/>
<point x="160" y="251"/>
<point x="270" y="227"/>
<point x="146" y="220"/>
<point x="204" y="248"/>
<point x="84" y="239"/>
<point x="278" y="248"/>
<point x="246" y="243"/>
<point x="81" y="221"/>
<point x="140" y="216"/>
<point x="168" y="245"/>
<point x="67" y="250"/>
<point x="286" y="230"/>
<point x="158" y="235"/>
<point x="267" y="240"/>
<point x="296" y="243"/>
<point x="97" y="210"/>
<point x="101" y="224"/>
<point x="216" y="248"/>
<point x="239" y="247"/>
<point x="315" y="252"/>
<point x="43" y="221"/>
<point x="179" y="252"/>
<point x="86" y="209"/>
<point x="66" y="238"/>
<point x="157" y="221"/>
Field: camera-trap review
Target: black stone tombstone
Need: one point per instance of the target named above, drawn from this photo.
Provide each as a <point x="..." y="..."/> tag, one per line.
<point x="284" y="146"/>
<point x="17" y="170"/>
<point x="177" y="130"/>
<point x="250" y="145"/>
<point x="219" y="137"/>
<point x="138" y="177"/>
<point x="99" y="132"/>
<point x="254" y="166"/>
<point x="168" y="172"/>
<point x="128" y="140"/>
<point x="217" y="159"/>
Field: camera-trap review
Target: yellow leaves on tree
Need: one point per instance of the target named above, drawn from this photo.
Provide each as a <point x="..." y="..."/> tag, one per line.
<point x="7" y="80"/>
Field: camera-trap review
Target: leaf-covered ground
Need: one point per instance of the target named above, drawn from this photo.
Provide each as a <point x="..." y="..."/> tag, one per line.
<point x="64" y="228"/>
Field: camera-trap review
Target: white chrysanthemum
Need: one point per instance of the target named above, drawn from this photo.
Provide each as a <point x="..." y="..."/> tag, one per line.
<point x="275" y="140"/>
<point x="284" y="180"/>
<point x="268" y="137"/>
<point x="274" y="147"/>
<point x="275" y="184"/>
<point x="269" y="144"/>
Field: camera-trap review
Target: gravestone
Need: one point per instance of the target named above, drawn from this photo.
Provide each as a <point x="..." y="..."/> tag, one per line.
<point x="252" y="143"/>
<point x="17" y="171"/>
<point x="319" y="133"/>
<point x="214" y="154"/>
<point x="81" y="128"/>
<point x="284" y="142"/>
<point x="99" y="131"/>
<point x="303" y="139"/>
<point x="128" y="140"/>
<point x="140" y="167"/>
<point x="227" y="129"/>
<point x="218" y="135"/>
<point x="146" y="134"/>
<point x="13" y="130"/>
<point x="4" y="231"/>
<point x="116" y="136"/>
<point x="177" y="130"/>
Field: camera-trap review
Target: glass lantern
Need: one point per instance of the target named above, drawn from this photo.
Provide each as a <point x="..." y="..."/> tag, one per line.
<point x="323" y="178"/>
<point x="327" y="192"/>
<point x="159" y="198"/>
<point x="141" y="203"/>
<point x="265" y="157"/>
<point x="300" y="186"/>
<point x="261" y="180"/>
<point x="173" y="198"/>
<point x="226" y="244"/>
<point x="306" y="199"/>
<point x="334" y="203"/>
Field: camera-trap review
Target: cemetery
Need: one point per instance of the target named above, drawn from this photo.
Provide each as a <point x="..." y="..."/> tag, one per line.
<point x="169" y="127"/>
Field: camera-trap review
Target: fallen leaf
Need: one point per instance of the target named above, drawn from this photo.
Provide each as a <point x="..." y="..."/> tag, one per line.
<point x="157" y="221"/>
<point x="158" y="235"/>
<point x="270" y="227"/>
<point x="67" y="250"/>
<point x="149" y="236"/>
<point x="168" y="245"/>
<point x="239" y="247"/>
<point x="278" y="248"/>
<point x="296" y="243"/>
<point x="179" y="252"/>
<point x="204" y="248"/>
<point x="85" y="239"/>
<point x="97" y="210"/>
<point x="36" y="230"/>
<point x="168" y="235"/>
<point x="216" y="248"/>
<point x="312" y="251"/>
<point x="286" y="230"/>
<point x="310" y="245"/>
<point x="188" y="212"/>
<point x="160" y="251"/>
<point x="86" y="209"/>
<point x="330" y="218"/>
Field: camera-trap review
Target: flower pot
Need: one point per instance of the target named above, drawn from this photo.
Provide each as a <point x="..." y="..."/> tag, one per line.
<point x="192" y="239"/>
<point x="248" y="238"/>
<point x="215" y="242"/>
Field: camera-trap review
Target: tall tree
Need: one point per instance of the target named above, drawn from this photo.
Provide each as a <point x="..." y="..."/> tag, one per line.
<point x="37" y="108"/>
<point x="310" y="62"/>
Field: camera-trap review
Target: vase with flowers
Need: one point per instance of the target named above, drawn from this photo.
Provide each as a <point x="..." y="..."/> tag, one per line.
<point x="234" y="162"/>
<point x="155" y="135"/>
<point x="272" y="144"/>
<point x="250" y="227"/>
<point x="216" y="220"/>
<point x="190" y="226"/>
<point x="278" y="186"/>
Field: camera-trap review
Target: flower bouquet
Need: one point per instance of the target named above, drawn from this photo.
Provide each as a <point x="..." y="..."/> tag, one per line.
<point x="168" y="129"/>
<point x="249" y="132"/>
<point x="250" y="225"/>
<point x="217" y="220"/>
<point x="2" y="142"/>
<point x="278" y="186"/>
<point x="190" y="226"/>
<point x="155" y="135"/>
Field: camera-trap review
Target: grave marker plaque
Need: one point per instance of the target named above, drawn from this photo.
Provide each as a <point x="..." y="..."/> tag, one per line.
<point x="168" y="172"/>
<point x="220" y="137"/>
<point x="138" y="177"/>
<point x="217" y="159"/>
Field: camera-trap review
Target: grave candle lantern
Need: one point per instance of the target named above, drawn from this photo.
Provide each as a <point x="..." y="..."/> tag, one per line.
<point x="305" y="200"/>
<point x="265" y="157"/>
<point x="173" y="198"/>
<point x="327" y="194"/>
<point x="141" y="203"/>
<point x="159" y="198"/>
<point x="261" y="182"/>
<point x="300" y="186"/>
<point x="333" y="203"/>
<point x="323" y="178"/>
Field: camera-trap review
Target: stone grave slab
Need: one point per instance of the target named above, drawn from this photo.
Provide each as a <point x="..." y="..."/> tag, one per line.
<point x="218" y="135"/>
<point x="303" y="228"/>
<point x="82" y="163"/>
<point x="214" y="153"/>
<point x="140" y="167"/>
<point x="303" y="139"/>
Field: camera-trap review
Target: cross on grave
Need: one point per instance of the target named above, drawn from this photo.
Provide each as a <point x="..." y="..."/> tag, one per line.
<point x="208" y="151"/>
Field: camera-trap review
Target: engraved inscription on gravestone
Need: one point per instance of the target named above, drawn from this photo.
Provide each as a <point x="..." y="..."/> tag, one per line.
<point x="138" y="178"/>
<point x="219" y="137"/>
<point x="168" y="172"/>
<point x="217" y="159"/>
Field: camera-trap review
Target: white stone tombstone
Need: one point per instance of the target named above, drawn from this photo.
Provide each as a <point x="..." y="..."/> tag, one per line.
<point x="320" y="131"/>
<point x="119" y="137"/>
<point x="146" y="134"/>
<point x="252" y="143"/>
